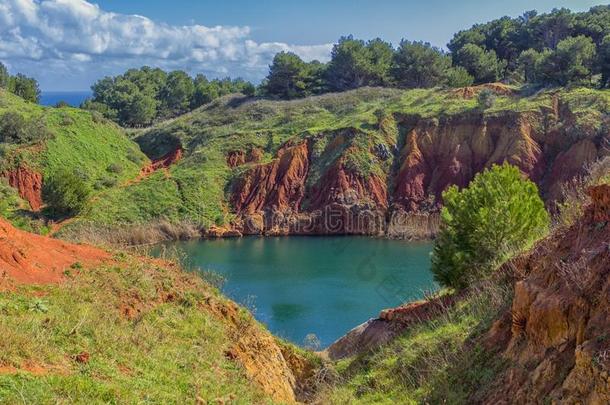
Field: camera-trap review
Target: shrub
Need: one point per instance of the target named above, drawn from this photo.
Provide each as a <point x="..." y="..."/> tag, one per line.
<point x="486" y="99"/>
<point x="114" y="168"/>
<point x="66" y="119"/>
<point x="498" y="214"/>
<point x="65" y="193"/>
<point x="14" y="128"/>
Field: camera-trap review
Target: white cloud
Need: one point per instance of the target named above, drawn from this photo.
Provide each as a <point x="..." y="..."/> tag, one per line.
<point x="75" y="41"/>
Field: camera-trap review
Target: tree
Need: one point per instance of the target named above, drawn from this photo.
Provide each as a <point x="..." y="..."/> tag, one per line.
<point x="177" y="93"/>
<point x="381" y="57"/>
<point x="571" y="63"/>
<point x="497" y="215"/>
<point x="65" y="193"/>
<point x="355" y="63"/>
<point x="483" y="65"/>
<point x="457" y="76"/>
<point x="140" y="110"/>
<point x="204" y="92"/>
<point x="528" y="65"/>
<point x="4" y="76"/>
<point x="287" y="76"/>
<point x="604" y="61"/>
<point x="25" y="87"/>
<point x="550" y="29"/>
<point x="419" y="65"/>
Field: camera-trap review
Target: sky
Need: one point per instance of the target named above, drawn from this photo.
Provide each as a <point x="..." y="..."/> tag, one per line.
<point x="68" y="44"/>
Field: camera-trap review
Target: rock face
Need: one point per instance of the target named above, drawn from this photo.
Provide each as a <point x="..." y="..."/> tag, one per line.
<point x="29" y="185"/>
<point x="278" y="370"/>
<point x="313" y="186"/>
<point x="556" y="338"/>
<point x="278" y="185"/>
<point x="163" y="162"/>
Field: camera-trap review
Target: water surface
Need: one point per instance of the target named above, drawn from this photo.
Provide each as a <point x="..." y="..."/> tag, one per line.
<point x="320" y="285"/>
<point x="73" y="98"/>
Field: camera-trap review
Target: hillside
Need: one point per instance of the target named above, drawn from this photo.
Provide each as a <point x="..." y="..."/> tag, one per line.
<point x="369" y="161"/>
<point x="63" y="139"/>
<point x="82" y="325"/>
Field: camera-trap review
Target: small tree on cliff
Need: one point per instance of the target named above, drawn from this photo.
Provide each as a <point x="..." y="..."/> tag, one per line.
<point x="498" y="214"/>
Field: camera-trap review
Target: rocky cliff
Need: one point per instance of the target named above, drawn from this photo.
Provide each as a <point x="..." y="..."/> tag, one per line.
<point x="348" y="181"/>
<point x="556" y="338"/>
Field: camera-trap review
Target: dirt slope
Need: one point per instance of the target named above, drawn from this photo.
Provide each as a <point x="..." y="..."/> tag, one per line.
<point x="556" y="337"/>
<point x="279" y="371"/>
<point x="29" y="258"/>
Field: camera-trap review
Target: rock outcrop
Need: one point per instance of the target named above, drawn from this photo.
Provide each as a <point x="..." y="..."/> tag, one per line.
<point x="29" y="185"/>
<point x="556" y="338"/>
<point x="390" y="324"/>
<point x="239" y="157"/>
<point x="307" y="192"/>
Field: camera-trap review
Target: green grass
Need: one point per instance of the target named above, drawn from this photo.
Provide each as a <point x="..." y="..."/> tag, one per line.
<point x="95" y="149"/>
<point x="170" y="352"/>
<point x="438" y="361"/>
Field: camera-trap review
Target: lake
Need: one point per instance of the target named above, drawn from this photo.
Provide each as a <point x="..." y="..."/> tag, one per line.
<point x="321" y="285"/>
<point x="73" y="98"/>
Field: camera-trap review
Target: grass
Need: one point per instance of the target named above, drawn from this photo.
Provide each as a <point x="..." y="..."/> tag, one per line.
<point x="171" y="350"/>
<point x="92" y="148"/>
<point x="437" y="361"/>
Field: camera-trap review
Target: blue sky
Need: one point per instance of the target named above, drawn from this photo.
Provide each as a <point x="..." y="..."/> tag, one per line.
<point x="68" y="44"/>
<point x="318" y="21"/>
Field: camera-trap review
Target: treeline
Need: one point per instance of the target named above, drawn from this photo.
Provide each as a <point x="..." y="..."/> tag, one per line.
<point x="21" y="85"/>
<point x="557" y="48"/>
<point x="141" y="96"/>
<point x="554" y="49"/>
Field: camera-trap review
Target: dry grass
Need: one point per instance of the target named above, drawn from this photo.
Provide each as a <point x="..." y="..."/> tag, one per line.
<point x="574" y="192"/>
<point x="132" y="235"/>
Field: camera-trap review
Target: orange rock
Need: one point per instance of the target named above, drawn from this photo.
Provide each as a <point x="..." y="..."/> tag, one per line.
<point x="559" y="348"/>
<point x="29" y="185"/>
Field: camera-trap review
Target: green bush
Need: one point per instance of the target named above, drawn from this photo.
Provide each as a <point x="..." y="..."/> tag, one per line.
<point x="65" y="193"/>
<point x="498" y="214"/>
<point x="14" y="128"/>
<point x="114" y="168"/>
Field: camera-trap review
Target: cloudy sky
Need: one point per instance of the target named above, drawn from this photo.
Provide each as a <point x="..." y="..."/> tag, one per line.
<point x="68" y="44"/>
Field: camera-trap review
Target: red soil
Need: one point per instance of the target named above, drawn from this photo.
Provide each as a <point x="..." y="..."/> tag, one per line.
<point x="27" y="258"/>
<point x="279" y="184"/>
<point x="340" y="185"/>
<point x="163" y="162"/>
<point x="29" y="185"/>
<point x="239" y="157"/>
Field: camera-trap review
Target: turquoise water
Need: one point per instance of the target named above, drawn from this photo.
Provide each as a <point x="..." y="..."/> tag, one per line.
<point x="320" y="285"/>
